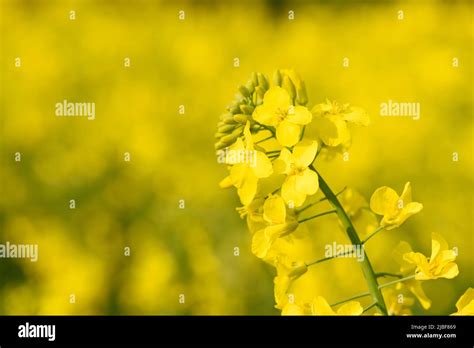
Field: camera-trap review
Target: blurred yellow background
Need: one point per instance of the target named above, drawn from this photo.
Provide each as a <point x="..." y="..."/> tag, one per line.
<point x="190" y="62"/>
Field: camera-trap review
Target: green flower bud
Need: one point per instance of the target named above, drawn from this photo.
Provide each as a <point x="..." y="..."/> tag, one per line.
<point x="289" y="86"/>
<point x="250" y="86"/>
<point x="302" y="97"/>
<point x="240" y="118"/>
<point x="277" y="78"/>
<point x="263" y="81"/>
<point x="244" y="91"/>
<point x="226" y="116"/>
<point x="246" y="109"/>
<point x="259" y="92"/>
<point x="229" y="120"/>
<point x="254" y="78"/>
<point x="226" y="128"/>
<point x="229" y="139"/>
<point x="234" y="108"/>
<point x="219" y="145"/>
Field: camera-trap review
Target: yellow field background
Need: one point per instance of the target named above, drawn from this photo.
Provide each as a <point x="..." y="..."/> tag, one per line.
<point x="190" y="251"/>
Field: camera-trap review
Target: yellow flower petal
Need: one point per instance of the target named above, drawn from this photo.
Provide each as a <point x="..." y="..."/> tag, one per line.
<point x="406" y="194"/>
<point x="415" y="287"/>
<point x="350" y="308"/>
<point x="226" y="182"/>
<point x="307" y="182"/>
<point x="384" y="201"/>
<point x="410" y="209"/>
<point x="277" y="98"/>
<point x="248" y="136"/>
<point x="263" y="166"/>
<point x="238" y="172"/>
<point x="237" y="146"/>
<point x="261" y="243"/>
<point x="288" y="133"/>
<point x="289" y="192"/>
<point x="292" y="309"/>
<point x="465" y="304"/>
<point x="266" y="115"/>
<point x="357" y="115"/>
<point x="421" y="263"/>
<point x="274" y="210"/>
<point x="438" y="244"/>
<point x="304" y="153"/>
<point x="299" y="115"/>
<point x="282" y="164"/>
<point x="319" y="306"/>
<point x="248" y="189"/>
<point x="332" y="130"/>
<point x="281" y="286"/>
<point x="450" y="271"/>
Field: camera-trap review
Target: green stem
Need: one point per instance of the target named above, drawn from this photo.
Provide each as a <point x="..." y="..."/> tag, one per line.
<point x="317" y="215"/>
<point x="396" y="281"/>
<point x="355" y="297"/>
<point x="319" y="201"/>
<point x="265" y="139"/>
<point x="328" y="258"/>
<point x="366" y="266"/>
<point x="273" y="153"/>
<point x="267" y="128"/>
<point x="380" y="228"/>
<point x="369" y="307"/>
<point x="387" y="274"/>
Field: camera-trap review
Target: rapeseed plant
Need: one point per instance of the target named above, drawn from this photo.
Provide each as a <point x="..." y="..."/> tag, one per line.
<point x="270" y="119"/>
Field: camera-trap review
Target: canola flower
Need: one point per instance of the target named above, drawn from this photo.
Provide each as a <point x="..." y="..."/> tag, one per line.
<point x="278" y="111"/>
<point x="287" y="272"/>
<point x="278" y="224"/>
<point x="394" y="208"/>
<point x="300" y="181"/>
<point x="407" y="268"/>
<point x="244" y="176"/>
<point x="270" y="119"/>
<point x="439" y="265"/>
<point x="332" y="122"/>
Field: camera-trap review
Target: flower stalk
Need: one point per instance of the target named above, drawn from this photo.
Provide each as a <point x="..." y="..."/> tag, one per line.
<point x="366" y="266"/>
<point x="273" y="213"/>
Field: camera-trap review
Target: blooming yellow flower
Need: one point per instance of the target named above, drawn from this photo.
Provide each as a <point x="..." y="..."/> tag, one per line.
<point x="395" y="209"/>
<point x="287" y="273"/>
<point x="331" y="119"/>
<point x="244" y="175"/>
<point x="319" y="306"/>
<point x="465" y="304"/>
<point x="407" y="268"/>
<point x="274" y="214"/>
<point x="439" y="265"/>
<point x="300" y="180"/>
<point x="277" y="111"/>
